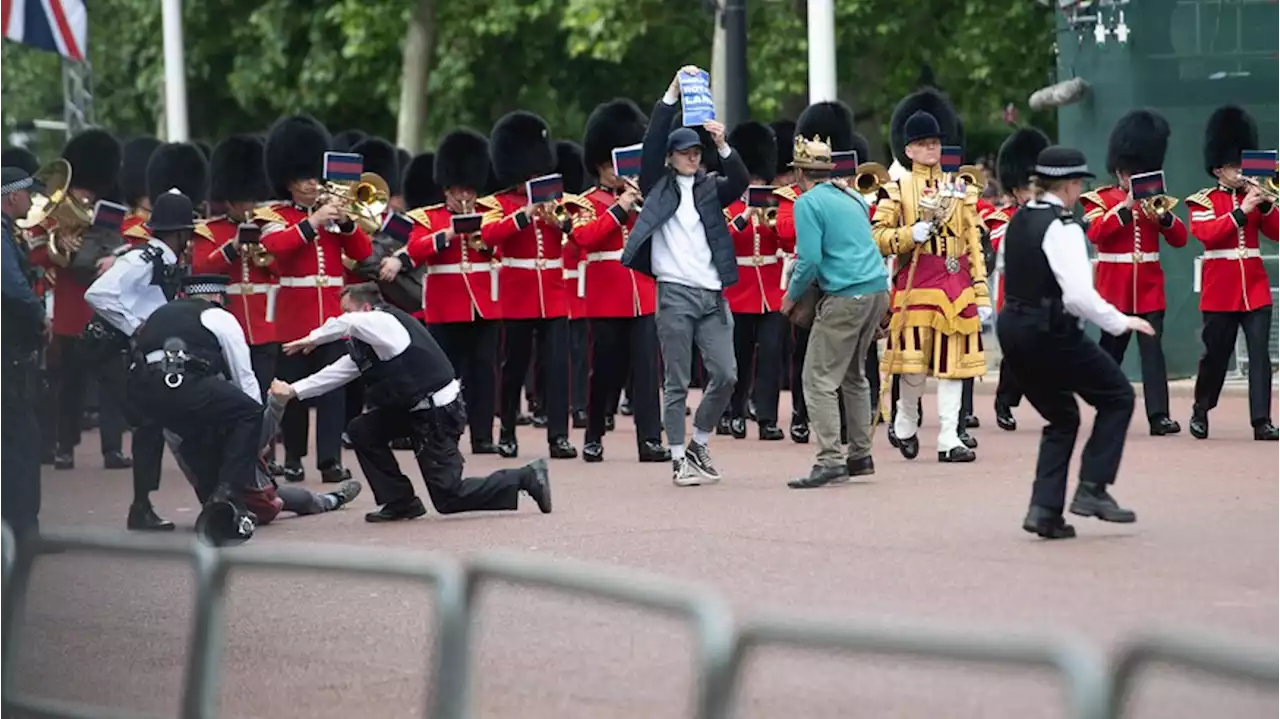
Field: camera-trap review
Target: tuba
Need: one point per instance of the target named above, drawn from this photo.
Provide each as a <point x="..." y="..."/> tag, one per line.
<point x="869" y="178"/>
<point x="63" y="216"/>
<point x="365" y="202"/>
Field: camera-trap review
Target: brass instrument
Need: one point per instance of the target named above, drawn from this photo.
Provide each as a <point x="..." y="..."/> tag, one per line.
<point x="257" y="254"/>
<point x="972" y="176"/>
<point x="771" y="217"/>
<point x="560" y="214"/>
<point x="1159" y="206"/>
<point x="63" y="216"/>
<point x="364" y="202"/>
<point x="1268" y="188"/>
<point x="870" y="177"/>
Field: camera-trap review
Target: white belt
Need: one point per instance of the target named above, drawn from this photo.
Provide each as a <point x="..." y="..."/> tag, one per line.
<point x="1128" y="258"/>
<point x="441" y="397"/>
<point x="572" y="274"/>
<point x="456" y="269"/>
<point x="605" y="255"/>
<point x="757" y="260"/>
<point x="520" y="263"/>
<point x="311" y="281"/>
<point x="154" y="356"/>
<point x="1239" y="253"/>
<point x="249" y="288"/>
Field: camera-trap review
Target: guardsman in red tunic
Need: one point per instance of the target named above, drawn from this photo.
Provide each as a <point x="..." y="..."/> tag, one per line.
<point x="1235" y="293"/>
<point x="569" y="165"/>
<point x="531" y="285"/>
<point x="460" y="288"/>
<point x="619" y="302"/>
<point x="1015" y="164"/>
<point x="1127" y="235"/>
<point x="133" y="180"/>
<point x="95" y="159"/>
<point x="758" y="325"/>
<point x="307" y="235"/>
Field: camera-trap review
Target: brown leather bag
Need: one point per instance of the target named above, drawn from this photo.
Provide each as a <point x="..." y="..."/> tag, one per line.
<point x="806" y="308"/>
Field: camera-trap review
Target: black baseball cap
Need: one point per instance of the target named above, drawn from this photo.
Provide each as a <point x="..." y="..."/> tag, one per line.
<point x="681" y="139"/>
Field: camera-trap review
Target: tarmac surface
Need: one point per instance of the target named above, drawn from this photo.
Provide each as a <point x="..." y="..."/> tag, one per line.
<point x="923" y="542"/>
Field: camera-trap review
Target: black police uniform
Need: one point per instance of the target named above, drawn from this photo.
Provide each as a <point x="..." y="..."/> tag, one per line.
<point x="20" y="344"/>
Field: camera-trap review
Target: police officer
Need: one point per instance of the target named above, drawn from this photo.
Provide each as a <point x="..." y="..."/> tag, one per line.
<point x="24" y="327"/>
<point x="1048" y="291"/>
<point x="409" y="384"/>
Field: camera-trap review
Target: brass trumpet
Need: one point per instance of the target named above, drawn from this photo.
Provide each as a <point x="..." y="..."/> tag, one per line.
<point x="973" y="176"/>
<point x="257" y="254"/>
<point x="63" y="216"/>
<point x="771" y="217"/>
<point x="364" y="202"/>
<point x="1268" y="188"/>
<point x="1159" y="206"/>
<point x="870" y="177"/>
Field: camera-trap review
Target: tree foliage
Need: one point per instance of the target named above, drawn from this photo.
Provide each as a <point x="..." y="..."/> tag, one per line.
<point x="249" y="61"/>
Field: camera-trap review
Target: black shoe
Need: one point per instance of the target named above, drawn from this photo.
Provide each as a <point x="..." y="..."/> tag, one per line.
<point x="909" y="447"/>
<point x="143" y="518"/>
<point x="274" y="468"/>
<point x="862" y="467"/>
<point x="893" y="437"/>
<point x="610" y="423"/>
<point x="293" y="470"/>
<point x="820" y="476"/>
<point x="769" y="432"/>
<point x="697" y="457"/>
<point x="402" y="444"/>
<point x="722" y="428"/>
<point x="508" y="447"/>
<point x="397" y="512"/>
<point x="1199" y="425"/>
<point x="1047" y="523"/>
<point x="687" y="411"/>
<point x="1266" y="432"/>
<point x="484" y="446"/>
<point x="63" y="459"/>
<point x="1004" y="417"/>
<point x="89" y="420"/>
<point x="954" y="455"/>
<point x="346" y="442"/>
<point x="561" y="448"/>
<point x="592" y="452"/>
<point x="539" y="421"/>
<point x="738" y="428"/>
<point x="1093" y="500"/>
<point x="333" y="472"/>
<point x="624" y="408"/>
<point x="651" y="450"/>
<point x="967" y="439"/>
<point x="345" y="493"/>
<point x="523" y="420"/>
<point x="799" y="430"/>
<point x="579" y="419"/>
<point x="1162" y="426"/>
<point x="970" y="421"/>
<point x="116" y="460"/>
<point x="538" y="484"/>
<point x="751" y="410"/>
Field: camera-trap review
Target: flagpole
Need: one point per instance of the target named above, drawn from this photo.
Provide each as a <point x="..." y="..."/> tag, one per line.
<point x="175" y="76"/>
<point x="822" y="50"/>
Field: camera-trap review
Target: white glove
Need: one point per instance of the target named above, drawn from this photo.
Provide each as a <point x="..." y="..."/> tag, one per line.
<point x="984" y="314"/>
<point x="920" y="232"/>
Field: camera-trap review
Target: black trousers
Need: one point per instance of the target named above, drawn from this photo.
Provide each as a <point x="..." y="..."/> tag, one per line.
<point x="330" y="408"/>
<point x="472" y="349"/>
<point x="579" y="364"/>
<point x="77" y="362"/>
<point x="758" y="337"/>
<point x="619" y="344"/>
<point x="263" y="358"/>
<point x="553" y="354"/>
<point x="1007" y="389"/>
<point x="966" y="400"/>
<point x="1155" y="380"/>
<point x="19" y="447"/>
<point x="219" y="425"/>
<point x="47" y="408"/>
<point x="435" y="433"/>
<point x="1054" y="361"/>
<point x="1219" y="336"/>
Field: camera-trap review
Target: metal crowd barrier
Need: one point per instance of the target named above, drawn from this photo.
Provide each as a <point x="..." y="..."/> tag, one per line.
<point x="1096" y="685"/>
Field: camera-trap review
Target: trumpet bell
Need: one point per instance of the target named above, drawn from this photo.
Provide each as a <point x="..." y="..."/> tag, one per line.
<point x="972" y="175"/>
<point x="870" y="177"/>
<point x="57" y="209"/>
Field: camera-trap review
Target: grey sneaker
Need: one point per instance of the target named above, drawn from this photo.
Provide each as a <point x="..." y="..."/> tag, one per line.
<point x="697" y="456"/>
<point x="684" y="475"/>
<point x="346" y="492"/>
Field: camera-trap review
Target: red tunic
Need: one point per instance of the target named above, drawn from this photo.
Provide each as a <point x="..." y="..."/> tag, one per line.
<point x="1231" y="274"/>
<point x="997" y="223"/>
<point x="758" y="248"/>
<point x="612" y="290"/>
<point x="574" y="282"/>
<point x="251" y="295"/>
<point x="1128" y="272"/>
<point x="461" y="279"/>
<point x="133" y="228"/>
<point x="531" y="282"/>
<point x="310" y="270"/>
<point x="70" y="312"/>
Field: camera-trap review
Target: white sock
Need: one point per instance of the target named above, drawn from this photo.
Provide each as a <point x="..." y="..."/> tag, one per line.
<point x="677" y="452"/>
<point x="701" y="436"/>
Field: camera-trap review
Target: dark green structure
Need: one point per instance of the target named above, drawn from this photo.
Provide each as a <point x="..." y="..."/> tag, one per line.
<point x="1183" y="58"/>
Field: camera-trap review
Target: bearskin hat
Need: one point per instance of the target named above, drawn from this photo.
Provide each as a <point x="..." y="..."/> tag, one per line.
<point x="569" y="165"/>
<point x="784" y="132"/>
<point x="236" y="171"/>
<point x="1017" y="158"/>
<point x="420" y="188"/>
<point x="380" y="157"/>
<point x="133" y="171"/>
<point x="758" y="148"/>
<point x="205" y="148"/>
<point x="462" y="160"/>
<point x="1138" y="143"/>
<point x="616" y="123"/>
<point x="403" y="158"/>
<point x="295" y="151"/>
<point x="1229" y="133"/>
<point x="180" y="165"/>
<point x="927" y="100"/>
<point x="831" y="120"/>
<point x="20" y="157"/>
<point x="95" y="157"/>
<point x="347" y="139"/>
<point x="711" y="161"/>
<point x="862" y="147"/>
<point x="521" y="147"/>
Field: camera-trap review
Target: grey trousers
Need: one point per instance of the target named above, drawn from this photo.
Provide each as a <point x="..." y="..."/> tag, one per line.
<point x="687" y="315"/>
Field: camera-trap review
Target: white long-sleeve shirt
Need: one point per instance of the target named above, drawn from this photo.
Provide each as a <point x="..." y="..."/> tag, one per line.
<point x="124" y="295"/>
<point x="680" y="252"/>
<point x="235" y="350"/>
<point x="1066" y="249"/>
<point x="379" y="330"/>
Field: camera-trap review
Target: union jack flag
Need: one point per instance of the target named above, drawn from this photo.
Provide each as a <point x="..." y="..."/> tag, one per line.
<point x="60" y="26"/>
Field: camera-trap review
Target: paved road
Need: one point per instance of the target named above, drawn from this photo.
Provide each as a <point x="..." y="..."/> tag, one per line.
<point x="923" y="542"/>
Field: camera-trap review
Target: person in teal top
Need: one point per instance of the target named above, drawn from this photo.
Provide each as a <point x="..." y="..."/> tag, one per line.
<point x="835" y="250"/>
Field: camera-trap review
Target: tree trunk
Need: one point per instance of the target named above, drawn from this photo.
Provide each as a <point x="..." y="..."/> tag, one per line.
<point x="415" y="70"/>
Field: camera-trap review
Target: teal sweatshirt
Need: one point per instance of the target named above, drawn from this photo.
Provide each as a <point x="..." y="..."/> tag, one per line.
<point x="834" y="245"/>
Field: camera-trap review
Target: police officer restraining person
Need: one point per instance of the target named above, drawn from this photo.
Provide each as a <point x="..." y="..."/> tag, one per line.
<point x="1048" y="292"/>
<point x="24" y="329"/>
<point x="409" y="386"/>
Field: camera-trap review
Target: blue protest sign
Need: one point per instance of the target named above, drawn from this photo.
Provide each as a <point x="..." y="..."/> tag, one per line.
<point x="695" y="98"/>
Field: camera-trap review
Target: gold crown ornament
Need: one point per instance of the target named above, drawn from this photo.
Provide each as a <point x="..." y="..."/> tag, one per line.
<point x="812" y="154"/>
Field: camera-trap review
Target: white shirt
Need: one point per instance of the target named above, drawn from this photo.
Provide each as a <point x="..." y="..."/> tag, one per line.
<point x="124" y="294"/>
<point x="680" y="252"/>
<point x="1066" y="249"/>
<point x="380" y="330"/>
<point x="235" y="350"/>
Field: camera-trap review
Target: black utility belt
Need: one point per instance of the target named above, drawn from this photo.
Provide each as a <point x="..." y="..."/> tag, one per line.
<point x="100" y="331"/>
